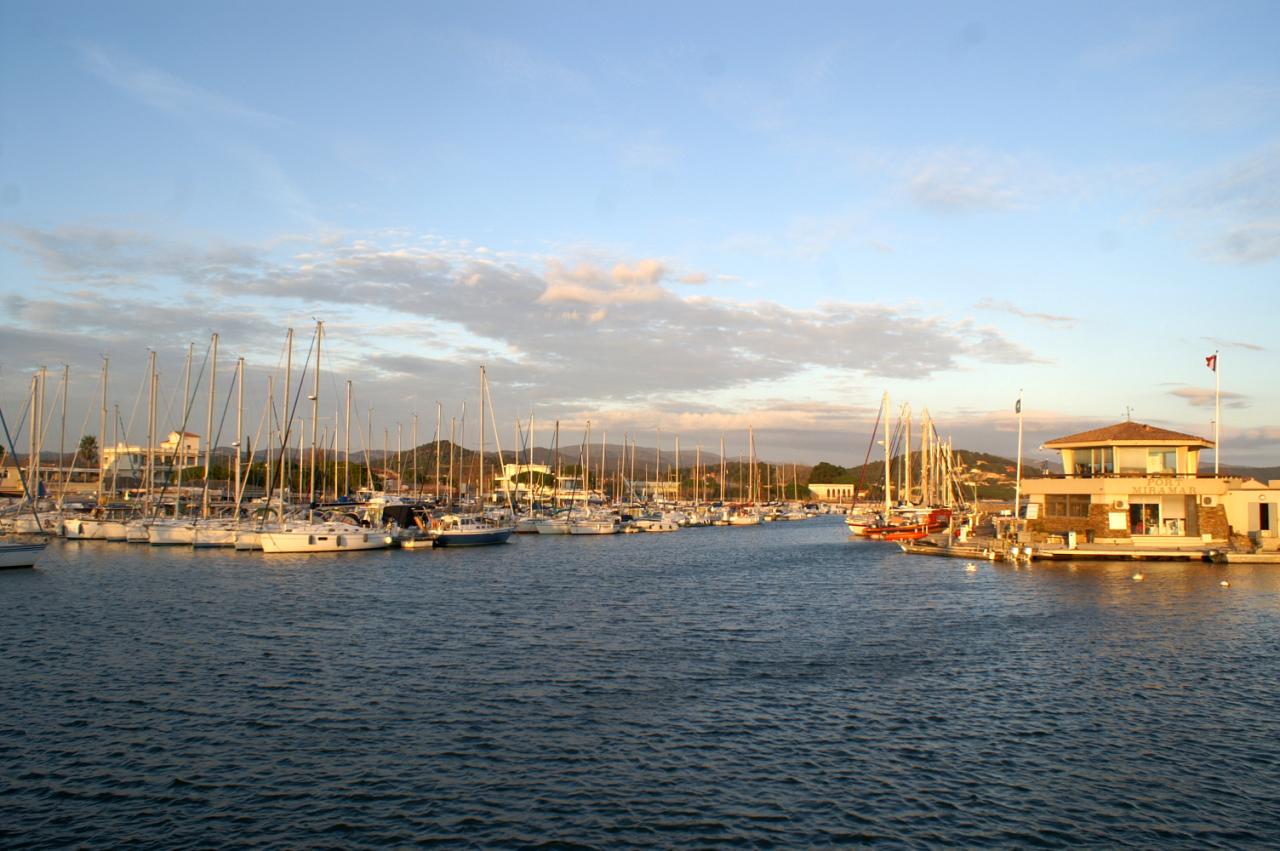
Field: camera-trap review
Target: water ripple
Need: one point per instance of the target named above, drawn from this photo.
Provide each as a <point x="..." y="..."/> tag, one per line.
<point x="766" y="686"/>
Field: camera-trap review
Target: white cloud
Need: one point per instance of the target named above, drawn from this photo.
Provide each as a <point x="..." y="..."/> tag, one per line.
<point x="1235" y="344"/>
<point x="1202" y="397"/>
<point x="962" y="182"/>
<point x="579" y="330"/>
<point x="164" y="91"/>
<point x="590" y="284"/>
<point x="1008" y="307"/>
<point x="1233" y="210"/>
<point x="1249" y="244"/>
<point x="1150" y="38"/>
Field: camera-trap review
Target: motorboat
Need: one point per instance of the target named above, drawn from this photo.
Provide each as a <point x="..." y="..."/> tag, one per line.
<point x="468" y="530"/>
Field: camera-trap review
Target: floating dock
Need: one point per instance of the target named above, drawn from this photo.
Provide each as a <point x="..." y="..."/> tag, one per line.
<point x="999" y="549"/>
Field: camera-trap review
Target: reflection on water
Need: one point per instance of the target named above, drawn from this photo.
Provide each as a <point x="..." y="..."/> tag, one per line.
<point x="772" y="684"/>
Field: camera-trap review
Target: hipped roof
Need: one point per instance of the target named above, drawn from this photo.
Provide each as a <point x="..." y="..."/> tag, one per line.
<point x="1127" y="432"/>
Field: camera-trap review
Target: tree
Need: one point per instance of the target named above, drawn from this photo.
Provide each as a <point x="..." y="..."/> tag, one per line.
<point x="824" y="473"/>
<point x="88" y="450"/>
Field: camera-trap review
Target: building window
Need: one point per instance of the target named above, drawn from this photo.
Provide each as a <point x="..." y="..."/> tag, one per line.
<point x="1066" y="505"/>
<point x="1144" y="518"/>
<point x="1098" y="461"/>
<point x="1162" y="461"/>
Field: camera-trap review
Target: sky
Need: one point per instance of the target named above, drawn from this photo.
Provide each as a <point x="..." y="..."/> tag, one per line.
<point x="666" y="218"/>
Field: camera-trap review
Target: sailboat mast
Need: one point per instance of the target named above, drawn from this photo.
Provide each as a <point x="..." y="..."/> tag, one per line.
<point x="151" y="431"/>
<point x="208" y="434"/>
<point x="271" y="415"/>
<point x="887" y="466"/>
<point x="102" y="431"/>
<point x="346" y="445"/>
<point x="286" y="420"/>
<point x="555" y="488"/>
<point x="315" y="411"/>
<point x="62" y="439"/>
<point x="722" y="466"/>
<point x="32" y="461"/>
<point x="530" y="476"/>
<point x="679" y="482"/>
<point x="239" y="489"/>
<point x="480" y="484"/>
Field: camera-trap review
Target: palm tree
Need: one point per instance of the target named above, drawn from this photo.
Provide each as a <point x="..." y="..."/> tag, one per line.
<point x="88" y="451"/>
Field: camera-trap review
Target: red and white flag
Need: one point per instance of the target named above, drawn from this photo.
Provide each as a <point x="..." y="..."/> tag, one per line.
<point x="1212" y="362"/>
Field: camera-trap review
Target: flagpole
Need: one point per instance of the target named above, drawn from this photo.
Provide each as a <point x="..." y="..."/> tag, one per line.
<point x="1017" y="487"/>
<point x="1217" y="414"/>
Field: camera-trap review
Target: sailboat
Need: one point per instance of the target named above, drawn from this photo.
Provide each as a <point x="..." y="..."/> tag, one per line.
<point x="469" y="530"/>
<point x="22" y="551"/>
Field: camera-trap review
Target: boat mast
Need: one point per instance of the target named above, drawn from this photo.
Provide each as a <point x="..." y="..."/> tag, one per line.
<point x="315" y="411"/>
<point x="480" y="484"/>
<point x="238" y="494"/>
<point x="530" y="476"/>
<point x="208" y="435"/>
<point x="32" y="452"/>
<point x="586" y="465"/>
<point x="887" y="466"/>
<point x="62" y="439"/>
<point x="102" y="431"/>
<point x="271" y="415"/>
<point x="151" y="431"/>
<point x="555" y="487"/>
<point x="679" y="489"/>
<point x="286" y="421"/>
<point x="722" y="466"/>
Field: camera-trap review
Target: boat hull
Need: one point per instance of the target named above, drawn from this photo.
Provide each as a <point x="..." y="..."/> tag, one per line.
<point x="20" y="555"/>
<point x="323" y="541"/>
<point x="468" y="538"/>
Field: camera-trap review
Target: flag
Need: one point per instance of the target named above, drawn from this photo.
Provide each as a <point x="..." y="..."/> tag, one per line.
<point x="1212" y="362"/>
<point x="1017" y="409"/>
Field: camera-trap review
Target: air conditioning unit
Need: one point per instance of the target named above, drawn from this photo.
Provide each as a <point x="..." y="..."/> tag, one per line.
<point x="1118" y="504"/>
<point x="1206" y="500"/>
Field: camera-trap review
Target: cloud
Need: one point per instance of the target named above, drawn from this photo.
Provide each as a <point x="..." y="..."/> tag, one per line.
<point x="577" y="330"/>
<point x="512" y="62"/>
<point x="954" y="182"/>
<point x="1149" y="39"/>
<point x="590" y="284"/>
<point x="162" y="90"/>
<point x="694" y="278"/>
<point x="1234" y="344"/>
<point x="1249" y="244"/>
<point x="1235" y="209"/>
<point x="1228" y="106"/>
<point x="1007" y="307"/>
<point x="1199" y="397"/>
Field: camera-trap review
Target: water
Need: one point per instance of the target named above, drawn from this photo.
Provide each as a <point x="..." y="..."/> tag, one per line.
<point x="776" y="685"/>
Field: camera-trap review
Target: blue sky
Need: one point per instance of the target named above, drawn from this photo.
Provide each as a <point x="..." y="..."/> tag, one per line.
<point x="693" y="217"/>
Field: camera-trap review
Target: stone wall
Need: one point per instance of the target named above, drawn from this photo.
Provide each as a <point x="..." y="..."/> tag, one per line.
<point x="1097" y="524"/>
<point x="1213" y="521"/>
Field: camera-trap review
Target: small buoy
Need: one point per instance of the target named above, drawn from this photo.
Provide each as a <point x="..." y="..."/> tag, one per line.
<point x="1225" y="584"/>
<point x="1138" y="577"/>
<point x="971" y="567"/>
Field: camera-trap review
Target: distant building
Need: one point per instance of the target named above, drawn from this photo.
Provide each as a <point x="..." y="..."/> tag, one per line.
<point x="517" y="480"/>
<point x="1135" y="483"/>
<point x="123" y="462"/>
<point x="835" y="493"/>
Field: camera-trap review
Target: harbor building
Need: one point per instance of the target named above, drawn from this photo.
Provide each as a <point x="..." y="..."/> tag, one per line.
<point x="1138" y="485"/>
<point x="839" y="493"/>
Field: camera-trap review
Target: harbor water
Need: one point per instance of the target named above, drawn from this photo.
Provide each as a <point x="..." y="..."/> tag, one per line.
<point x="770" y="685"/>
